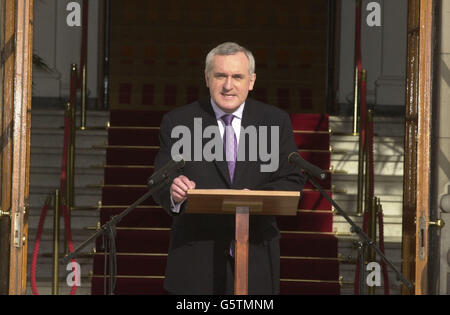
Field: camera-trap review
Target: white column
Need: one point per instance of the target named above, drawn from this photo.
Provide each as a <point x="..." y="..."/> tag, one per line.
<point x="45" y="84"/>
<point x="383" y="50"/>
<point x="60" y="44"/>
<point x="390" y="85"/>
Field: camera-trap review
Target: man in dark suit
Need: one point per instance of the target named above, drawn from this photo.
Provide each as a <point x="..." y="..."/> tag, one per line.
<point x="200" y="259"/>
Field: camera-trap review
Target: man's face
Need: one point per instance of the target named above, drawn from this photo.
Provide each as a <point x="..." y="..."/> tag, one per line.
<point x="229" y="81"/>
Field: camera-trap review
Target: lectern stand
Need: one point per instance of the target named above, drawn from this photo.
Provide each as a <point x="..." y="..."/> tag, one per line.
<point x="242" y="203"/>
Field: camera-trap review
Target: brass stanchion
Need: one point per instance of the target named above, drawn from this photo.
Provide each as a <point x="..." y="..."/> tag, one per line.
<point x="355" y="102"/>
<point x="368" y="164"/>
<point x="372" y="233"/>
<point x="357" y="60"/>
<point x="55" y="286"/>
<point x="71" y="164"/>
<point x="70" y="167"/>
<point x="361" y="159"/>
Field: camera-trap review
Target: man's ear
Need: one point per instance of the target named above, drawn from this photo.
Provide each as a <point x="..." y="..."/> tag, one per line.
<point x="252" y="81"/>
<point x="206" y="79"/>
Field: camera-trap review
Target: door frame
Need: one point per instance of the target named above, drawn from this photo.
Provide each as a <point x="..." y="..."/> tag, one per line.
<point x="417" y="169"/>
<point x="17" y="48"/>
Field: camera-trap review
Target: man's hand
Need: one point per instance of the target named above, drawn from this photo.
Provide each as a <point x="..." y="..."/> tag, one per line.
<point x="179" y="188"/>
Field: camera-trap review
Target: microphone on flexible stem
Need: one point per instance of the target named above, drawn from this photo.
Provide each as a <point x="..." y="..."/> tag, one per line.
<point x="163" y="173"/>
<point x="311" y="169"/>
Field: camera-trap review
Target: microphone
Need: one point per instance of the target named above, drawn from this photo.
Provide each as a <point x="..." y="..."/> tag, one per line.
<point x="162" y="174"/>
<point x="296" y="159"/>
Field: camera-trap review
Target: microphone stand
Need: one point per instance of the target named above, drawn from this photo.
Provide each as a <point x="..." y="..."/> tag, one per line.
<point x="365" y="240"/>
<point x="108" y="231"/>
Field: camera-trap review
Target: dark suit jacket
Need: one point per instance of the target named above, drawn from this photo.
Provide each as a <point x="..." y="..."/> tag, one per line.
<point x="199" y="244"/>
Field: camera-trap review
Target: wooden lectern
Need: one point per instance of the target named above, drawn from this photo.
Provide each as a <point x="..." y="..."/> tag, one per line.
<point x="242" y="203"/>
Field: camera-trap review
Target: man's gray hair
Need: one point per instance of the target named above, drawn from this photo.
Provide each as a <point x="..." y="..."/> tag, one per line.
<point x="226" y="49"/>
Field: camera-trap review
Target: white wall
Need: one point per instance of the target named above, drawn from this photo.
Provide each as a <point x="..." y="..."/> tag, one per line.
<point x="59" y="45"/>
<point x="383" y="52"/>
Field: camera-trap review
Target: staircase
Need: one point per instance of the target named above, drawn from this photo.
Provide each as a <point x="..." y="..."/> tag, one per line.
<point x="388" y="170"/>
<point x="47" y="132"/>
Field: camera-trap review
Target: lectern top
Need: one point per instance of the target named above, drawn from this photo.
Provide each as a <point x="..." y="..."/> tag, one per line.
<point x="226" y="201"/>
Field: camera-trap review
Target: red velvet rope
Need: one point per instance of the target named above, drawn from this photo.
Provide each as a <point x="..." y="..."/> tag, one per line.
<point x="363" y="114"/>
<point x="371" y="165"/>
<point x="37" y="244"/>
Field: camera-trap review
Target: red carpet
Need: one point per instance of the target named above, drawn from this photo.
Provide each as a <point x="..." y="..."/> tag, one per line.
<point x="309" y="262"/>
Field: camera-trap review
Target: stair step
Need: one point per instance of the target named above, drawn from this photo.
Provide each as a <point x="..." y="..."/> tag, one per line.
<point x="392" y="225"/>
<point x="43" y="118"/>
<point x="78" y="220"/>
<point x="52" y="157"/>
<point x="392" y="204"/>
<point x="45" y="288"/>
<point x="52" y="180"/>
<point x="83" y="196"/>
<point x="383" y="165"/>
<point x="383" y="126"/>
<point x="47" y="138"/>
<point x="381" y="145"/>
<point x="384" y="184"/>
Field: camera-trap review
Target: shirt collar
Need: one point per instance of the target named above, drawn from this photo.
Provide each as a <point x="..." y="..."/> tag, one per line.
<point x="219" y="112"/>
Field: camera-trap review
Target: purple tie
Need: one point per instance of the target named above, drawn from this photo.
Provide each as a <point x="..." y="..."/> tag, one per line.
<point x="230" y="144"/>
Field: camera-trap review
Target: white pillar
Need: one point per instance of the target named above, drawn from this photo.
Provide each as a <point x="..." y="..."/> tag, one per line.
<point x="383" y="50"/>
<point x="391" y="83"/>
<point x="59" y="45"/>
